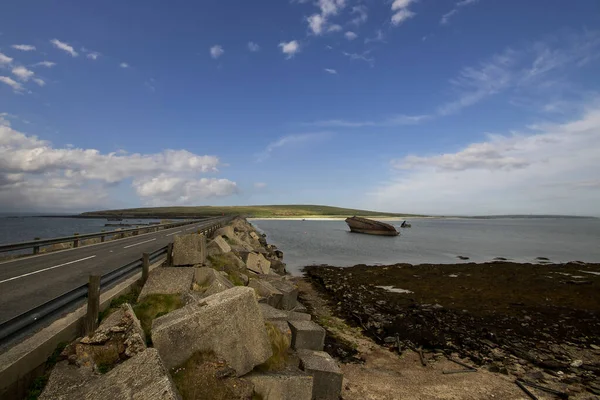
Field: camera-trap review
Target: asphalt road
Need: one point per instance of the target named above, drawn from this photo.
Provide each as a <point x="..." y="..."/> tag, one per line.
<point x="28" y="282"/>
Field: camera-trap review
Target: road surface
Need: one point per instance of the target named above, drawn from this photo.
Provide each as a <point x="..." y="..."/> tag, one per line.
<point x="28" y="282"/>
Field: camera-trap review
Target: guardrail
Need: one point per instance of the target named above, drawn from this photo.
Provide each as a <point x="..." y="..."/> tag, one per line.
<point x="66" y="301"/>
<point x="37" y="243"/>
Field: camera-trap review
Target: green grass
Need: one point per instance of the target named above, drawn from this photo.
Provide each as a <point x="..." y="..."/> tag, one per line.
<point x="154" y="306"/>
<point x="280" y="345"/>
<point x="117" y="302"/>
<point x="248" y="211"/>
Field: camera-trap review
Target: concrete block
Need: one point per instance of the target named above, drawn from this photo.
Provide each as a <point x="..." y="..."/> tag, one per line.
<point x="301" y="308"/>
<point x="292" y="385"/>
<point x="284" y="328"/>
<point x="256" y="262"/>
<point x="266" y="292"/>
<point x="218" y="246"/>
<point x="229" y="324"/>
<point x="141" y="377"/>
<point x="327" y="376"/>
<point x="254" y="235"/>
<point x="226" y="231"/>
<point x="168" y="280"/>
<point x="210" y="281"/>
<point x="189" y="250"/>
<point x="289" y="292"/>
<point x="307" y="335"/>
<point x="273" y="314"/>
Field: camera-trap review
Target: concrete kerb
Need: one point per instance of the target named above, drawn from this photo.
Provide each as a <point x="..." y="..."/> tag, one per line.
<point x="19" y="364"/>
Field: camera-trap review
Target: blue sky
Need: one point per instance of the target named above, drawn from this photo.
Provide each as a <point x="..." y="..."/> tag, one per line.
<point x="441" y="107"/>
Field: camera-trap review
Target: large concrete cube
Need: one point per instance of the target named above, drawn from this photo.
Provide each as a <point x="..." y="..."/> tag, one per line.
<point x="226" y="231"/>
<point x="289" y="291"/>
<point x="168" y="280"/>
<point x="189" y="250"/>
<point x="211" y="281"/>
<point x="307" y="335"/>
<point x="289" y="385"/>
<point x="229" y="324"/>
<point x="267" y="292"/>
<point x="273" y="314"/>
<point x="218" y="246"/>
<point x="327" y="376"/>
<point x="256" y="262"/>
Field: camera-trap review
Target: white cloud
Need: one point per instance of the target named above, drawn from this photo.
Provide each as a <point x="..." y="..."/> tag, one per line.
<point x="361" y="15"/>
<point x="397" y="120"/>
<point x="64" y="47"/>
<point x="290" y="48"/>
<point x="401" y="11"/>
<point x="17" y="87"/>
<point x="32" y="167"/>
<point x="165" y="190"/>
<point x="330" y="71"/>
<point x="39" y="81"/>
<point x="331" y="7"/>
<point x="362" y="57"/>
<point x="334" y="28"/>
<point x="47" y="64"/>
<point x="547" y="169"/>
<point x="93" y="55"/>
<point x="522" y="69"/>
<point x="124" y="65"/>
<point x="378" y="38"/>
<point x="350" y="35"/>
<point x="292" y="141"/>
<point x="216" y="51"/>
<point x="253" y="47"/>
<point x="4" y="59"/>
<point x="23" y="47"/>
<point x="316" y="23"/>
<point x="260" y="185"/>
<point x="22" y="73"/>
<point x="446" y="17"/>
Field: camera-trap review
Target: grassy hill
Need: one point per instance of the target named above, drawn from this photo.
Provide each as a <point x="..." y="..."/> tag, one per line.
<point x="268" y="211"/>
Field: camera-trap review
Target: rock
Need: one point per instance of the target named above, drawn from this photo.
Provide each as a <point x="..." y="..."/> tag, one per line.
<point x="594" y="347"/>
<point x="141" y="377"/>
<point x="300" y="307"/>
<point x="218" y="246"/>
<point x="268" y="293"/>
<point x="189" y="250"/>
<point x="210" y="281"/>
<point x="288" y="385"/>
<point x="307" y="335"/>
<point x="278" y="266"/>
<point x="254" y="235"/>
<point x="327" y="376"/>
<point x="168" y="280"/>
<point x="576" y="363"/>
<point x="245" y="279"/>
<point x="256" y="262"/>
<point x="278" y="254"/>
<point x="229" y="324"/>
<point x="289" y="291"/>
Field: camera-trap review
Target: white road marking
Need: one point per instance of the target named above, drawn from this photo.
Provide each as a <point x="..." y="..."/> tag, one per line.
<point x="45" y="269"/>
<point x="172" y="233"/>
<point x="188" y="229"/>
<point x="145" y="241"/>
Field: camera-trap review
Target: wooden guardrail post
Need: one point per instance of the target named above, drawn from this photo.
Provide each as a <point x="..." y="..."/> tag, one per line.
<point x="76" y="241"/>
<point x="36" y="249"/>
<point x="145" y="267"/>
<point x="170" y="254"/>
<point x="203" y="249"/>
<point x="93" y="306"/>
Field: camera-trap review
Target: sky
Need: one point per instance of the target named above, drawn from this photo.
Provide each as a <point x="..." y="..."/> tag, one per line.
<point x="444" y="107"/>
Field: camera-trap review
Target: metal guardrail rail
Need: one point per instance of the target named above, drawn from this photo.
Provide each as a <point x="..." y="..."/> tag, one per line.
<point x="36" y="244"/>
<point x="66" y="301"/>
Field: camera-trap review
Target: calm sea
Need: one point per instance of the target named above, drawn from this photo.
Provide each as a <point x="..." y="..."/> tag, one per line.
<point x="24" y="228"/>
<point x="435" y="241"/>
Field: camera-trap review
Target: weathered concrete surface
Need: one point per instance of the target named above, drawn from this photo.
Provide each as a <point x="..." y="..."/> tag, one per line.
<point x="254" y="235"/>
<point x="226" y="231"/>
<point x="266" y="292"/>
<point x="256" y="262"/>
<point x="189" y="250"/>
<point x="273" y="314"/>
<point x="327" y="376"/>
<point x="139" y="378"/>
<point x="218" y="246"/>
<point x="284" y="328"/>
<point x="289" y="291"/>
<point x="210" y="281"/>
<point x="307" y="335"/>
<point x="229" y="324"/>
<point x="168" y="280"/>
<point x="282" y="385"/>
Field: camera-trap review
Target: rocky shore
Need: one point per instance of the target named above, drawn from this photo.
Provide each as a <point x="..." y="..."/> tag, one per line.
<point x="219" y="320"/>
<point x="536" y="323"/>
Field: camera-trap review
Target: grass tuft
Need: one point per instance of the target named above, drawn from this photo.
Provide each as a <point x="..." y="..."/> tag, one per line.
<point x="280" y="345"/>
<point x="153" y="306"/>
